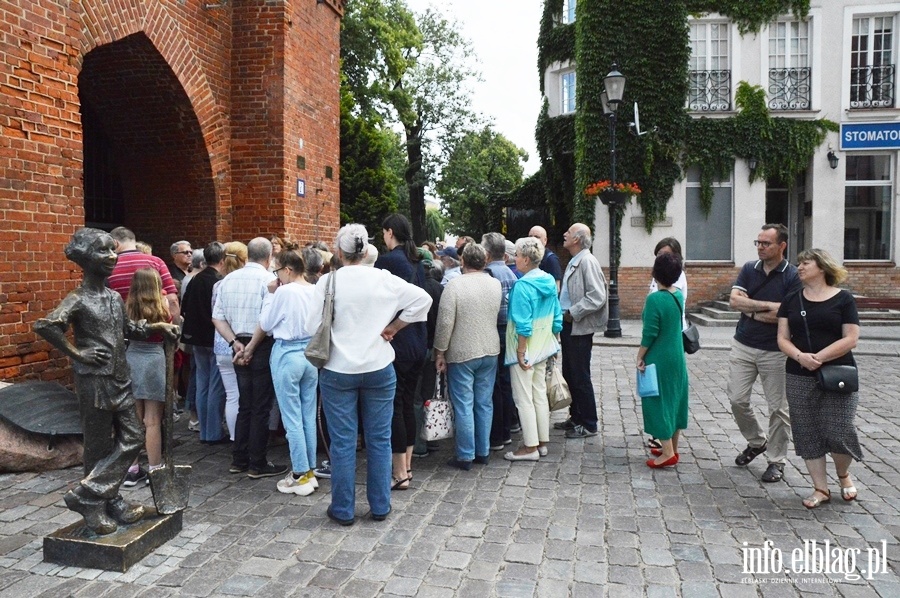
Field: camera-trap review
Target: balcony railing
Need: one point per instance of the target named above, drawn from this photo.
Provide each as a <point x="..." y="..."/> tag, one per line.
<point x="710" y="91"/>
<point x="872" y="86"/>
<point x="790" y="89"/>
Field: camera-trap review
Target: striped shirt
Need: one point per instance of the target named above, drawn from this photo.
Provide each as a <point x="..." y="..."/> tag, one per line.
<point x="130" y="262"/>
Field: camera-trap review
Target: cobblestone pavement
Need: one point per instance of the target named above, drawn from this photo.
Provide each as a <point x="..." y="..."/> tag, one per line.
<point x="588" y="520"/>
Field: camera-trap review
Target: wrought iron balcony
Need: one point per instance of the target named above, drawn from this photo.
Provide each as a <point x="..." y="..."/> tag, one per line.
<point x="710" y="91"/>
<point x="790" y="89"/>
<point x="872" y="86"/>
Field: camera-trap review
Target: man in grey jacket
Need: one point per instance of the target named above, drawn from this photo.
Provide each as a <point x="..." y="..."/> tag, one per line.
<point x="585" y="312"/>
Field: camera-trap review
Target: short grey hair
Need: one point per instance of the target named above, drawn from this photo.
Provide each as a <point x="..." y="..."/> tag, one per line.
<point x="174" y="248"/>
<point x="583" y="236"/>
<point x="259" y="249"/>
<point x="474" y="256"/>
<point x="122" y="235"/>
<point x="214" y="253"/>
<point x="495" y="245"/>
<point x="531" y="249"/>
<point x="197" y="259"/>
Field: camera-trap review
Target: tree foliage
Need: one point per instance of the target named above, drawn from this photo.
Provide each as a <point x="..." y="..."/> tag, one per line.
<point x="368" y="182"/>
<point x="411" y="70"/>
<point x="435" y="227"/>
<point x="482" y="169"/>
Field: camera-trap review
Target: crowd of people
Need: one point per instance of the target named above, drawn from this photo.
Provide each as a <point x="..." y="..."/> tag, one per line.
<point x="486" y="316"/>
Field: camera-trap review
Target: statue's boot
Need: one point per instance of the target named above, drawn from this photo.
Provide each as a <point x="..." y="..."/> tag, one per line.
<point x="124" y="512"/>
<point x="93" y="511"/>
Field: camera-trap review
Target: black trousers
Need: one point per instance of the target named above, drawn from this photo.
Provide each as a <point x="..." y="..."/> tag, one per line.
<point x="576" y="369"/>
<point x="251" y="433"/>
<point x="403" y="424"/>
<point x="504" y="406"/>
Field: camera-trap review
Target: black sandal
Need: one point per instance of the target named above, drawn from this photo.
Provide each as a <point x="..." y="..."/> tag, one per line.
<point x="654" y="443"/>
<point x="398" y="484"/>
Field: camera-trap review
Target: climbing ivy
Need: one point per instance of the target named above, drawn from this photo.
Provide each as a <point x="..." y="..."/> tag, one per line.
<point x="556" y="41"/>
<point x="649" y="40"/>
<point x="782" y="147"/>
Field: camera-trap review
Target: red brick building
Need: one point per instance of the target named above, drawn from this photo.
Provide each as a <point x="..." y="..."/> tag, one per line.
<point x="180" y="119"/>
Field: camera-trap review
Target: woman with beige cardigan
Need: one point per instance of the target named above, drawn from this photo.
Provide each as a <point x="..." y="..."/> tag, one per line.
<point x="466" y="345"/>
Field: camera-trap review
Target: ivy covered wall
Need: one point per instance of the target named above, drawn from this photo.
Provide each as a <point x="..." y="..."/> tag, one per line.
<point x="649" y="41"/>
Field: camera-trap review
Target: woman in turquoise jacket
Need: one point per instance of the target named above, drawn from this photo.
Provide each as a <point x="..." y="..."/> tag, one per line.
<point x="534" y="324"/>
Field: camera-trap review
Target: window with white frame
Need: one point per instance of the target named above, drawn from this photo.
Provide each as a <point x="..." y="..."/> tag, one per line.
<point x="567" y="89"/>
<point x="872" y="66"/>
<point x="708" y="235"/>
<point x="568" y="15"/>
<point x="868" y="193"/>
<point x="709" y="67"/>
<point x="790" y="76"/>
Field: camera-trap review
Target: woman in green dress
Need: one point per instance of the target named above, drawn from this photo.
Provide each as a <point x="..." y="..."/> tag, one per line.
<point x="661" y="344"/>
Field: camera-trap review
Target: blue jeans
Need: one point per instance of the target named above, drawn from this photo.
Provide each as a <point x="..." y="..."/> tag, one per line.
<point x="344" y="398"/>
<point x="210" y="394"/>
<point x="295" y="381"/>
<point x="471" y="392"/>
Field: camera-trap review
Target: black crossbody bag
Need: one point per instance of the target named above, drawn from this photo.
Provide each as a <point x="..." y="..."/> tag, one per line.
<point x="690" y="336"/>
<point x="843" y="379"/>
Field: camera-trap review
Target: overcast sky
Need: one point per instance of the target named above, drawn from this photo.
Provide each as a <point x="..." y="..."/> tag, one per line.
<point x="504" y="35"/>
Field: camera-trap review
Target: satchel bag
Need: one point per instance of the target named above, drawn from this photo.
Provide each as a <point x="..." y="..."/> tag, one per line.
<point x="648" y="382"/>
<point x="319" y="348"/>
<point x="690" y="336"/>
<point x="439" y="417"/>
<point x="558" y="394"/>
<point x="843" y="379"/>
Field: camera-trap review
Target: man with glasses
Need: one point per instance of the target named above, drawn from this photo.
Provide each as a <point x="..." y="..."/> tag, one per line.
<point x="181" y="260"/>
<point x="759" y="290"/>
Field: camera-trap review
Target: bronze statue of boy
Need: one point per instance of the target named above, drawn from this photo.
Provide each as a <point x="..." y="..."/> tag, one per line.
<point x="113" y="435"/>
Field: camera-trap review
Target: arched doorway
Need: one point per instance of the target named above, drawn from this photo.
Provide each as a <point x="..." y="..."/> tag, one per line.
<point x="146" y="165"/>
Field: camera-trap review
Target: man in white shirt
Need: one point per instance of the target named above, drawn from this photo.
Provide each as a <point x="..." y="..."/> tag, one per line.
<point x="235" y="316"/>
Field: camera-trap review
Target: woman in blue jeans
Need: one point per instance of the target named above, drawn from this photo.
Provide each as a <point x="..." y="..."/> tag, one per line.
<point x="284" y="311"/>
<point x="370" y="306"/>
<point x="466" y="345"/>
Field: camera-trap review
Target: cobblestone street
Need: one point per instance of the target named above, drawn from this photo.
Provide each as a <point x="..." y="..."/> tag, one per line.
<point x="588" y="520"/>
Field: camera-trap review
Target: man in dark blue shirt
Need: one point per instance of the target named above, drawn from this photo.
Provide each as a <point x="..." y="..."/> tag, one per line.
<point x="760" y="288"/>
<point x="550" y="263"/>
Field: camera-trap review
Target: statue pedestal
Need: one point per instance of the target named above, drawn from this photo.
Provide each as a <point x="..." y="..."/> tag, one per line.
<point x="76" y="546"/>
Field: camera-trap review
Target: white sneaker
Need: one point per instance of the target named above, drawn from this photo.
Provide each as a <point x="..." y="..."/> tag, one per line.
<point x="194" y="426"/>
<point x="313" y="481"/>
<point x="300" y="487"/>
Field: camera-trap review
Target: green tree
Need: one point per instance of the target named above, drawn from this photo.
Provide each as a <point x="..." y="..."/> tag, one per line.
<point x="435" y="227"/>
<point x="482" y="169"/>
<point x="368" y="181"/>
<point x="411" y="70"/>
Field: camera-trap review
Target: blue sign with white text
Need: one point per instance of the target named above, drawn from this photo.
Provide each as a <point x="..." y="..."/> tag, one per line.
<point x="868" y="136"/>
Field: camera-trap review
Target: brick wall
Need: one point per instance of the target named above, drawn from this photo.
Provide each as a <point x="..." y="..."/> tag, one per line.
<point x="705" y="283"/>
<point x="193" y="102"/>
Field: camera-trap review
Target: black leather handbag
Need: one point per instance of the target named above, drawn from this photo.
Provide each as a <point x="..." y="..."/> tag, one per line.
<point x="842" y="379"/>
<point x="690" y="336"/>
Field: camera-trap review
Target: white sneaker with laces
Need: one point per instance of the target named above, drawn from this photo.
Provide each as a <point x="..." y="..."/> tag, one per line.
<point x="300" y="487"/>
<point x="194" y="426"/>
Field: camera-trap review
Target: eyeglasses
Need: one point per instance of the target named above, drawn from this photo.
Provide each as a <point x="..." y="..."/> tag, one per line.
<point x="277" y="270"/>
<point x="187" y="252"/>
<point x="764" y="244"/>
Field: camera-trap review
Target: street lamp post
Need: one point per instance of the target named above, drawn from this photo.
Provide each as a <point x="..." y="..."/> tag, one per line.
<point x="614" y="84"/>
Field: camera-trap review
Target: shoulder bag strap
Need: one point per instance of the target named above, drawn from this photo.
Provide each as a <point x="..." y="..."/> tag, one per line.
<point x="678" y="304"/>
<point x="803" y="315"/>
<point x="329" y="292"/>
